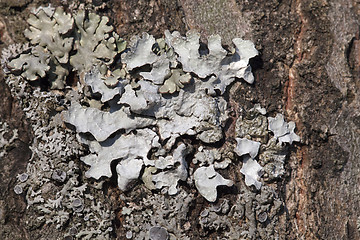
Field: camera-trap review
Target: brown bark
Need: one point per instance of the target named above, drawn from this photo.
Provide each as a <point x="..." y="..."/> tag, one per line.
<point x="309" y="68"/>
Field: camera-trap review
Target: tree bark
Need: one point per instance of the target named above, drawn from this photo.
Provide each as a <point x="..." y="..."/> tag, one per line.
<point x="308" y="69"/>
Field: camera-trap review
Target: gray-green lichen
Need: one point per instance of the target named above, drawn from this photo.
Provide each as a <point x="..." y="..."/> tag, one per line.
<point x="63" y="42"/>
<point x="157" y="210"/>
<point x="49" y="30"/>
<point x="156" y="118"/>
<point x="52" y="185"/>
<point x="95" y="41"/>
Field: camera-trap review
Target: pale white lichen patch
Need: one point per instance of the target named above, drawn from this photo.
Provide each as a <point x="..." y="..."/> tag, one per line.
<point x="252" y="171"/>
<point x="215" y="61"/>
<point x="207" y="180"/>
<point x="128" y="171"/>
<point x="246" y="146"/>
<point x="159" y="72"/>
<point x="99" y="85"/>
<point x="127" y="147"/>
<point x="102" y="124"/>
<point x="282" y="130"/>
<point x="140" y="52"/>
<point x="177" y="172"/>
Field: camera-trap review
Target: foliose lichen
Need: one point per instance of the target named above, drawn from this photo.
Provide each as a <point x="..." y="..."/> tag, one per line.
<point x="151" y="113"/>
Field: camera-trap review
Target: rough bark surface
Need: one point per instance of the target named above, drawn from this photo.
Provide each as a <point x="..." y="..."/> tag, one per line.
<point x="309" y="69"/>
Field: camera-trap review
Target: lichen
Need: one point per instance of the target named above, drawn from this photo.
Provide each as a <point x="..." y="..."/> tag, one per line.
<point x="246" y="146"/>
<point x="252" y="171"/>
<point x="52" y="184"/>
<point x="61" y="42"/>
<point x="102" y="124"/>
<point x="207" y="180"/>
<point x="177" y="171"/>
<point x="6" y="139"/>
<point x="140" y="52"/>
<point x="95" y="41"/>
<point x="108" y="87"/>
<point x="49" y="29"/>
<point x="157" y="210"/>
<point x="282" y="130"/>
<point x="156" y="120"/>
<point x="215" y="61"/>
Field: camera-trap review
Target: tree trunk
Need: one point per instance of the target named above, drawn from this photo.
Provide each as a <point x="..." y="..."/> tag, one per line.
<point x="308" y="69"/>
